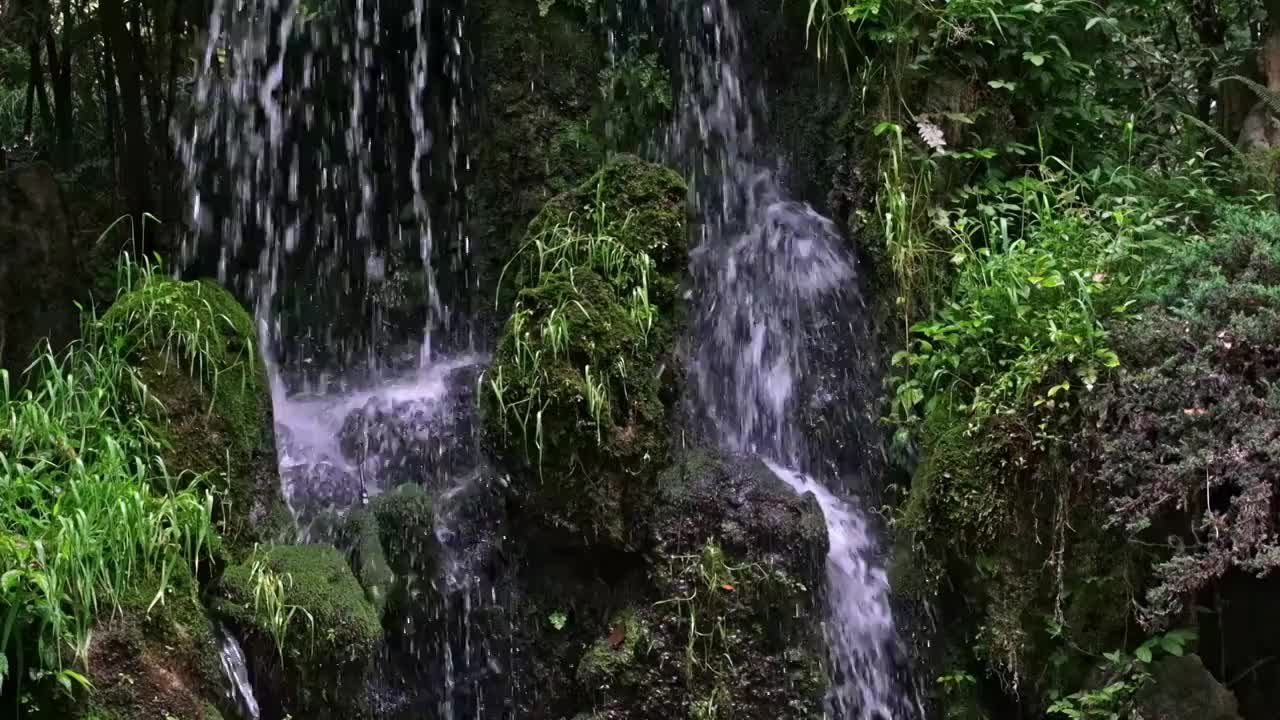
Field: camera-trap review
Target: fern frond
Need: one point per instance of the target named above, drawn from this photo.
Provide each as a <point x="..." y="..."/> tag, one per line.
<point x="1214" y="133"/>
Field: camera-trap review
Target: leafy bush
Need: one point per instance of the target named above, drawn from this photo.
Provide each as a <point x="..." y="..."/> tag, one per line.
<point x="1185" y="434"/>
<point x="1039" y="268"/>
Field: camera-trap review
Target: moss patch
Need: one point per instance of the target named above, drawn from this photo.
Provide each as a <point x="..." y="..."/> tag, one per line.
<point x="611" y="655"/>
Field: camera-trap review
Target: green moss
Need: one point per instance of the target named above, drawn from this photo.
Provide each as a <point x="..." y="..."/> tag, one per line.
<point x="406" y="527"/>
<point x="194" y="345"/>
<point x="318" y="580"/>
<point x="368" y="560"/>
<point x="997" y="530"/>
<point x="327" y="647"/>
<point x="639" y="203"/>
<point x="398" y="525"/>
<point x="609" y="656"/>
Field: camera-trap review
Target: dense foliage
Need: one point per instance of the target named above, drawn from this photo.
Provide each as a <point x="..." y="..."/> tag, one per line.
<point x="1072" y="212"/>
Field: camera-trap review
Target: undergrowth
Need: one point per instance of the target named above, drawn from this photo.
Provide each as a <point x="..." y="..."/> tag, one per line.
<point x="87" y="508"/>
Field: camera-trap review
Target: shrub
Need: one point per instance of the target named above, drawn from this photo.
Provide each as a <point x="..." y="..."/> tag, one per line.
<point x="1185" y="435"/>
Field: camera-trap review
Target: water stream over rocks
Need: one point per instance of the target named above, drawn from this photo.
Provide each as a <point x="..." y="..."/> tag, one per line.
<point x="772" y="278"/>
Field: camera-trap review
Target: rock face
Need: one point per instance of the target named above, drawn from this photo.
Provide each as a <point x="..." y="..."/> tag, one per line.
<point x="161" y="663"/>
<point x="713" y="620"/>
<point x="535" y="75"/>
<point x="1182" y="689"/>
<point x="39" y="267"/>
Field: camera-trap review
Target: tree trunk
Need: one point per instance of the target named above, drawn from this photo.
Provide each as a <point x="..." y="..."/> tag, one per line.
<point x="64" y="133"/>
<point x="136" y="161"/>
<point x="107" y="72"/>
<point x="150" y="86"/>
<point x="42" y="96"/>
<point x="29" y="110"/>
<point x="1211" y="32"/>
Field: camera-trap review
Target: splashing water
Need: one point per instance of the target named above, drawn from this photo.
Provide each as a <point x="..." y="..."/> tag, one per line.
<point x="773" y="278"/>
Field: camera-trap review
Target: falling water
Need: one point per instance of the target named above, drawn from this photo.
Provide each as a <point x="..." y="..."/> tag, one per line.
<point x="773" y="280"/>
<point x="327" y="164"/>
<point x="234" y="667"/>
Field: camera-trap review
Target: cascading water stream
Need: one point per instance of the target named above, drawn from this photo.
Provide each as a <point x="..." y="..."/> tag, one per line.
<point x="772" y="280"/>
<point x="236" y="671"/>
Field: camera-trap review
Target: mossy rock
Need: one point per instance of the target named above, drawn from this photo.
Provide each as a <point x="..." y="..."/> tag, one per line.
<point x="193" y="344"/>
<point x="320" y="667"/>
<point x="999" y="538"/>
<point x="609" y="656"/>
<point x="734" y="588"/>
<point x="639" y="203"/>
<point x="155" y="661"/>
<point x="579" y="391"/>
<point x="392" y="540"/>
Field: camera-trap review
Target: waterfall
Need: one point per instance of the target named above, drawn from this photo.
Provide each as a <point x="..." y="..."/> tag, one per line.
<point x="773" y="278"/>
<point x="327" y="168"/>
<point x="328" y="165"/>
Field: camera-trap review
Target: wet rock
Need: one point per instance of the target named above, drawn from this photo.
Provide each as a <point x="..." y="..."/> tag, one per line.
<point x="1182" y="689"/>
<point x="737" y="563"/>
<point x="421" y="440"/>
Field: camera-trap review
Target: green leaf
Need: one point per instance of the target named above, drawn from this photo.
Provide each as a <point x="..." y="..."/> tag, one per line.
<point x="1034" y="58"/>
<point x="1143" y="653"/>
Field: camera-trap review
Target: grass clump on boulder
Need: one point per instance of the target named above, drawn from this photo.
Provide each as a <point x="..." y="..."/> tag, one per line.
<point x="576" y="393"/>
<point x="193" y="346"/>
<point x="309" y="631"/>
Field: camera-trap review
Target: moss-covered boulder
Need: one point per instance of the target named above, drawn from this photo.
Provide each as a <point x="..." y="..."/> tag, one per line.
<point x="726" y="629"/>
<point x="999" y="534"/>
<point x="309" y="631"/>
<point x="155" y="658"/>
<point x="392" y="546"/>
<point x="578" y="394"/>
<point x="193" y="345"/>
